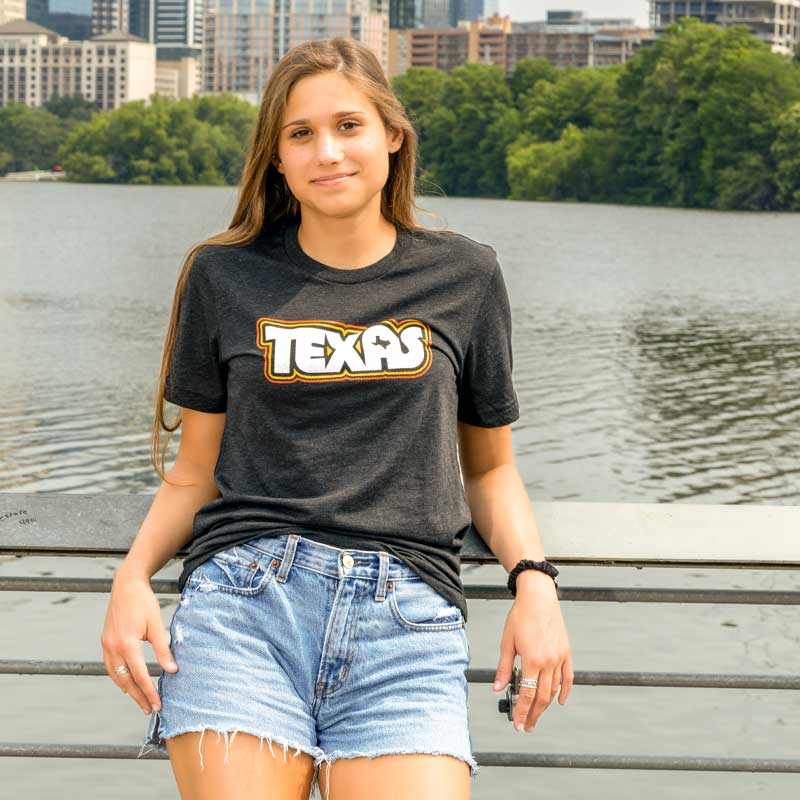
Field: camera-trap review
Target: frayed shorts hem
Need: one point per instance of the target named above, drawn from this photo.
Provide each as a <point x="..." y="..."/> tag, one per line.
<point x="335" y="755"/>
<point x="158" y="742"/>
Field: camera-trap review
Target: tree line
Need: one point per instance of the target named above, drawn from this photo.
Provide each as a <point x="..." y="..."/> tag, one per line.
<point x="703" y="117"/>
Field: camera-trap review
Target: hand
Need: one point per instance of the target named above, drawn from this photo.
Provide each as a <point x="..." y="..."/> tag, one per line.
<point x="535" y="629"/>
<point x="134" y="615"/>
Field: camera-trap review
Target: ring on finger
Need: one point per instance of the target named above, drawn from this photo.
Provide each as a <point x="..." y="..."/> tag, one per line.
<point x="529" y="683"/>
<point x="121" y="670"/>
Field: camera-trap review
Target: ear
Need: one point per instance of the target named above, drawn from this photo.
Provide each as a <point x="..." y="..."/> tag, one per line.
<point x="394" y="139"/>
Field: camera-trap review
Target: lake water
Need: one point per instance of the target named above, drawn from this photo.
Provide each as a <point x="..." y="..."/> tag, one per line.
<point x="656" y="359"/>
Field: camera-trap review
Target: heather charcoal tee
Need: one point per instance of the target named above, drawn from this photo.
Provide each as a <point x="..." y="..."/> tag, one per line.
<point x="342" y="388"/>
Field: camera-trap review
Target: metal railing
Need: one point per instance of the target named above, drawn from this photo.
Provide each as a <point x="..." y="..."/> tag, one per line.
<point x="585" y="534"/>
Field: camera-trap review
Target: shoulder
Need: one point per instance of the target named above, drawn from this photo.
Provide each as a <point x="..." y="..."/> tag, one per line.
<point x="461" y="252"/>
<point x="214" y="264"/>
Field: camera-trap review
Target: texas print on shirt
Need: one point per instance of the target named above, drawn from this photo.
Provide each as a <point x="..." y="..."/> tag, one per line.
<point x="325" y="350"/>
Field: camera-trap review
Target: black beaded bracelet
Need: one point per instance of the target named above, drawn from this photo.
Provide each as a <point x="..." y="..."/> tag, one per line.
<point x="526" y="563"/>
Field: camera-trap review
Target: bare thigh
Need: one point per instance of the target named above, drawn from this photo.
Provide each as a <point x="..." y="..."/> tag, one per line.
<point x="396" y="777"/>
<point x="251" y="771"/>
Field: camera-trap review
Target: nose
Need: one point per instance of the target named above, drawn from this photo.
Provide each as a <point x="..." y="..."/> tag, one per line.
<point x="327" y="148"/>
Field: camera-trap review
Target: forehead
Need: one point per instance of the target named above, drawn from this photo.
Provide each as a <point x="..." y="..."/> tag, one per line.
<point x="319" y="97"/>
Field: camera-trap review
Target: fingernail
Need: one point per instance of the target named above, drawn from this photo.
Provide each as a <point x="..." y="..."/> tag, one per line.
<point x="520" y="726"/>
<point x="173" y="665"/>
<point x="497" y="686"/>
<point x="145" y="712"/>
<point x="155" y="707"/>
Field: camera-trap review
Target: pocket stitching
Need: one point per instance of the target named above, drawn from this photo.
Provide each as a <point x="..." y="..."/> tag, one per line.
<point x="421" y="626"/>
<point x="248" y="591"/>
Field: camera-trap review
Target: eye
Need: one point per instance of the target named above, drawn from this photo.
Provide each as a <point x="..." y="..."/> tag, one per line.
<point x="301" y="130"/>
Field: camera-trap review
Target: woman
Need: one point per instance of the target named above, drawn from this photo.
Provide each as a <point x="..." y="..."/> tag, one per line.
<point x="336" y="366"/>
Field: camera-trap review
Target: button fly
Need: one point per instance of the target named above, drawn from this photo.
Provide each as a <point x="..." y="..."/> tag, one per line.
<point x="347" y="560"/>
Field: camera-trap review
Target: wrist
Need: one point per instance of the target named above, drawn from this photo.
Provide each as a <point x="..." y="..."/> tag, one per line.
<point x="127" y="572"/>
<point x="533" y="580"/>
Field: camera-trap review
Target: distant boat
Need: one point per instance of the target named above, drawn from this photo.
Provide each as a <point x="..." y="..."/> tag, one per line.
<point x="57" y="173"/>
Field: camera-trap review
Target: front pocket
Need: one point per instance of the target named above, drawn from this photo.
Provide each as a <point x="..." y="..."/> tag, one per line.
<point x="230" y="571"/>
<point x="418" y="606"/>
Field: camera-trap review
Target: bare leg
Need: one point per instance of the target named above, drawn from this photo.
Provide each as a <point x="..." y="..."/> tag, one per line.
<point x="395" y="777"/>
<point x="212" y="765"/>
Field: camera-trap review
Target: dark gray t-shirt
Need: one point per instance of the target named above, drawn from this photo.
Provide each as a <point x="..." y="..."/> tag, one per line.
<point x="342" y="389"/>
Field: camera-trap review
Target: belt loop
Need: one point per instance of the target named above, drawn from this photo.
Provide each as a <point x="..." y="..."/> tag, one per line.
<point x="383" y="572"/>
<point x="288" y="557"/>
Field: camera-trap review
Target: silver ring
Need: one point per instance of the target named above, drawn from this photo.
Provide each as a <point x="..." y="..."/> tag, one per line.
<point x="528" y="683"/>
<point x="121" y="670"/>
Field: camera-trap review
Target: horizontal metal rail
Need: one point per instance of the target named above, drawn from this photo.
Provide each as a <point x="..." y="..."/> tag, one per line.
<point x="688" y="680"/>
<point x="15" y="583"/>
<point x="636" y="535"/>
<point x="484" y="759"/>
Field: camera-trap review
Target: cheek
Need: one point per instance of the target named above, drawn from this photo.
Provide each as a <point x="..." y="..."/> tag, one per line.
<point x="371" y="150"/>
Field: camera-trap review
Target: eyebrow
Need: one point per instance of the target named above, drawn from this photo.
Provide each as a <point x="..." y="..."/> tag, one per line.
<point x="305" y="121"/>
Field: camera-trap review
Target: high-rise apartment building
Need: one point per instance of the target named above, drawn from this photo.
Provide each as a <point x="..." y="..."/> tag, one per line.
<point x="244" y="39"/>
<point x="70" y="18"/>
<point x="776" y="23"/>
<point x="142" y="19"/>
<point x="564" y="39"/>
<point x="109" y="15"/>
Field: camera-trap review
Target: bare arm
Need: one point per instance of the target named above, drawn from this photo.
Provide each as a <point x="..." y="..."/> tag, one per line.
<point x="534" y="629"/>
<point x="168" y="524"/>
<point x="498" y="500"/>
<point x="134" y="614"/>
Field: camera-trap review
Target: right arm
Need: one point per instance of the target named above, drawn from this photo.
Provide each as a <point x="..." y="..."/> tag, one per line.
<point x="168" y="524"/>
<point x="134" y="614"/>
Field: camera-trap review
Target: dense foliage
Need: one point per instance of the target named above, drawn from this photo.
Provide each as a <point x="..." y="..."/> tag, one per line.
<point x="703" y="117"/>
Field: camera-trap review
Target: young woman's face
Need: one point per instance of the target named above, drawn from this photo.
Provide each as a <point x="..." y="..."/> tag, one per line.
<point x="318" y="139"/>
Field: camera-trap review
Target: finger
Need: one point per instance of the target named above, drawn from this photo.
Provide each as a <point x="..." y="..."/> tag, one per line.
<point x="143" y="689"/>
<point x="157" y="636"/>
<point x="124" y="680"/>
<point x="505" y="665"/>
<point x="556" y="683"/>
<point x="113" y="659"/>
<point x="567" y="678"/>
<point x="527" y="695"/>
<point x="542" y="699"/>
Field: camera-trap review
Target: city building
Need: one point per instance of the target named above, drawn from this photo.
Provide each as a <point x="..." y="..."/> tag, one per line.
<point x="142" y="19"/>
<point x="564" y="39"/>
<point x="11" y="10"/>
<point x="776" y="23"/>
<point x="244" y="39"/>
<point x="107" y="70"/>
<point x="109" y="15"/>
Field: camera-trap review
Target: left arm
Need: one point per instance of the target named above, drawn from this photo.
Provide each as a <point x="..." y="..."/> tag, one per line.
<point x="501" y="510"/>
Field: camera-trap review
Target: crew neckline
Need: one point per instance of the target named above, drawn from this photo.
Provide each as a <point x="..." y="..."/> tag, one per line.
<point x="325" y="272"/>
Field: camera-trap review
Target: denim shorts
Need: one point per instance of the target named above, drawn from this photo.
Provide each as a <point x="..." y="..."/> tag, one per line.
<point x="334" y="652"/>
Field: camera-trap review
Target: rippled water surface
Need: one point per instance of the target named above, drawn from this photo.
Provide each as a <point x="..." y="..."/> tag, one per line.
<point x="656" y="357"/>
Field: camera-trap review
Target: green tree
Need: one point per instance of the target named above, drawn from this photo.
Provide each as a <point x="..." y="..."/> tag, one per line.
<point x="698" y="110"/>
<point x="72" y="107"/>
<point x="526" y="73"/>
<point x="576" y="167"/>
<point x="160" y="142"/>
<point x="785" y="152"/>
<point x="470" y="130"/>
<point x="585" y="97"/>
<point x="29" y="137"/>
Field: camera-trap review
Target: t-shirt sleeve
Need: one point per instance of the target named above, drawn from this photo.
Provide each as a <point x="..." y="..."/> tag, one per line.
<point x="196" y="378"/>
<point x="486" y="394"/>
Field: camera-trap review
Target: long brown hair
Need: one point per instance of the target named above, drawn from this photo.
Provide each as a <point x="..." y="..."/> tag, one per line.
<point x="264" y="197"/>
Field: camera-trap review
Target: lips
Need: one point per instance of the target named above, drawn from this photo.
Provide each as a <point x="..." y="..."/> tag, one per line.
<point x="334" y="178"/>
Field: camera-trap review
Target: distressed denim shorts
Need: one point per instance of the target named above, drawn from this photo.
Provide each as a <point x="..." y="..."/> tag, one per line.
<point x="334" y="652"/>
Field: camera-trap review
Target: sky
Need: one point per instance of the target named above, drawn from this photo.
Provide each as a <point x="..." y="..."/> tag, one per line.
<point x="527" y="10"/>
